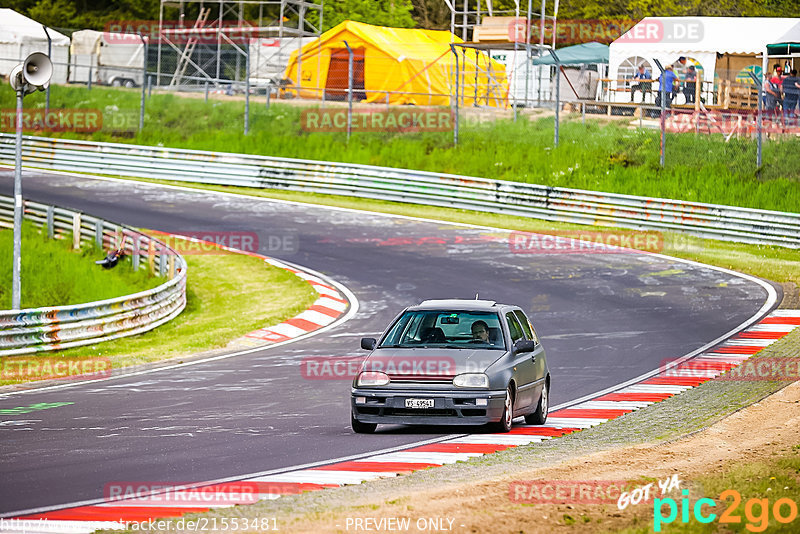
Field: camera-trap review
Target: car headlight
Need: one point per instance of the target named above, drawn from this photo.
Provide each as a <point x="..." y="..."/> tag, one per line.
<point x="471" y="380"/>
<point x="372" y="378"/>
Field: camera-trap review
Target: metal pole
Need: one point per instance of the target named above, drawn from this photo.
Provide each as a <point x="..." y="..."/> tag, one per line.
<point x="144" y="82"/>
<point x="759" y="119"/>
<point x="514" y="72"/>
<point x="49" y="54"/>
<point x="149" y="86"/>
<point x="16" y="285"/>
<point x="558" y="96"/>
<point x="662" y="88"/>
<point x="455" y="121"/>
<point x="89" y="85"/>
<point x="206" y="92"/>
<point x="160" y="27"/>
<point x="541" y="49"/>
<point x="349" y="89"/>
<point x="528" y="51"/>
<point x="247" y="90"/>
<point x="269" y="93"/>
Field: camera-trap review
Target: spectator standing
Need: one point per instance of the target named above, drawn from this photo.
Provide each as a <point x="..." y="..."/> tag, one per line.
<point x="667" y="81"/>
<point x="791" y="94"/>
<point x="690" y="84"/>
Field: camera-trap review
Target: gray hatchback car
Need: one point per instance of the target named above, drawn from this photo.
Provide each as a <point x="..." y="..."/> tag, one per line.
<point x="453" y="362"/>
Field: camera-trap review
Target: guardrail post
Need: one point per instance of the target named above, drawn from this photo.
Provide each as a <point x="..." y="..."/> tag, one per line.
<point x="76" y="231"/>
<point x="151" y="255"/>
<point x="98" y="234"/>
<point x="171" y="271"/>
<point x="135" y="244"/>
<point x="162" y="263"/>
<point x="50" y="222"/>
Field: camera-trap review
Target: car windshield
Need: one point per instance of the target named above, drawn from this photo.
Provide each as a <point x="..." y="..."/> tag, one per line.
<point x="446" y="328"/>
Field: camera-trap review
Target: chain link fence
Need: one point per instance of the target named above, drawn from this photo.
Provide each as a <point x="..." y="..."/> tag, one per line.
<point x="463" y="94"/>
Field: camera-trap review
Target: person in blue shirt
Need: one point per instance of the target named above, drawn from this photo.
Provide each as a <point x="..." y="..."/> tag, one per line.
<point x="645" y="77"/>
<point x="667" y="80"/>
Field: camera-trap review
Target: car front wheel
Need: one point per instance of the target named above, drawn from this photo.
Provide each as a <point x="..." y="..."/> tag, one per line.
<point x="539" y="417"/>
<point x="504" y="425"/>
<point x="362" y="428"/>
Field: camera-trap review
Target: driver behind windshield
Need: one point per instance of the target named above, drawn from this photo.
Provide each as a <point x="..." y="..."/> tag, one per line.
<point x="480" y="332"/>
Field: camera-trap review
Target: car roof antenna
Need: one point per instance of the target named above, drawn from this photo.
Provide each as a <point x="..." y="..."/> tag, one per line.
<point x="476" y="296"/>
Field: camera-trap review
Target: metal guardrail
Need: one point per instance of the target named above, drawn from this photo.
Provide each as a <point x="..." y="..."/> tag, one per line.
<point x="53" y="328"/>
<point x="512" y="198"/>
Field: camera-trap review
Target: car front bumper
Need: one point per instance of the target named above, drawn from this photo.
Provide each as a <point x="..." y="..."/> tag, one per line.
<point x="451" y="407"/>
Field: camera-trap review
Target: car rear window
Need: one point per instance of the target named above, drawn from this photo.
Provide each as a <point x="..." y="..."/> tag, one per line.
<point x="446" y="328"/>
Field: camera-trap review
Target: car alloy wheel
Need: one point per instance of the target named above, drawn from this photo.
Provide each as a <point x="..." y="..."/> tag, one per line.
<point x="504" y="425"/>
<point x="539" y="417"/>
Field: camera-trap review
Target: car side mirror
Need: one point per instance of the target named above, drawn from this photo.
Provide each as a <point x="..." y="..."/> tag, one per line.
<point x="524" y="345"/>
<point x="368" y="343"/>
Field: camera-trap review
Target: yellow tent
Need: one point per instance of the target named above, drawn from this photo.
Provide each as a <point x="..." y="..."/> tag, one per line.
<point x="398" y="65"/>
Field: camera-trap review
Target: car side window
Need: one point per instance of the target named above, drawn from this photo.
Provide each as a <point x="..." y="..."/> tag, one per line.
<point x="514" y="328"/>
<point x="526" y="326"/>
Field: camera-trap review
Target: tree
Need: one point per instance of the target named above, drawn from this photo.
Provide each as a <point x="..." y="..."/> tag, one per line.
<point x="394" y="13"/>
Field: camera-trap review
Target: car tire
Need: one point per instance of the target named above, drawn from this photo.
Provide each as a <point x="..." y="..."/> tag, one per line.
<point x="506" y="420"/>
<point x="361" y="428"/>
<point x="129" y="83"/>
<point x="539" y="417"/>
<point x="116" y="83"/>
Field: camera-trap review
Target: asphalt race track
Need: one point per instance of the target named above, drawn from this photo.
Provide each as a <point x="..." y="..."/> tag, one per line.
<point x="604" y="319"/>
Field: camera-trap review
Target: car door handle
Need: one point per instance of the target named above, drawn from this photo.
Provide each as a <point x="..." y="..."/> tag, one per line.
<point x="533" y="359"/>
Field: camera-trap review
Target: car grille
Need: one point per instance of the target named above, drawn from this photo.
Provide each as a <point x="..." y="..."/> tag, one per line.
<point x="426" y="413"/>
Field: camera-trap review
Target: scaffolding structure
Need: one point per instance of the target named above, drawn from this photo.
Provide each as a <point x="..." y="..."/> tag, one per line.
<point x="221" y="24"/>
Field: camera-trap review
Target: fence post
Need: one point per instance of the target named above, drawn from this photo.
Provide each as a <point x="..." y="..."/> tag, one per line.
<point x="558" y="96"/>
<point x="206" y="92"/>
<point x="89" y="83"/>
<point x="135" y="243"/>
<point x="50" y="222"/>
<point x="144" y="82"/>
<point x="662" y="88"/>
<point x="247" y="92"/>
<point x="151" y="256"/>
<point x="98" y="233"/>
<point x="76" y="231"/>
<point x="349" y="89"/>
<point x="149" y="86"/>
<point x="455" y="119"/>
<point x="269" y="93"/>
<point x="759" y="121"/>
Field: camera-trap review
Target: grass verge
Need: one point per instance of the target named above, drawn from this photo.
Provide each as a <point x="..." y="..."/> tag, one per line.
<point x="219" y="287"/>
<point x="53" y="274"/>
<point x="600" y="155"/>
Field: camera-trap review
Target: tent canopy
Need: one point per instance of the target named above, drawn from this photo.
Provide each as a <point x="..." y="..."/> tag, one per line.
<point x="394" y="65"/>
<point x="17" y="28"/>
<point x="788" y="43"/>
<point x="586" y="53"/>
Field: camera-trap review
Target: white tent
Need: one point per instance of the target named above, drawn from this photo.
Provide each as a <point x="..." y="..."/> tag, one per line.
<point x="701" y="39"/>
<point x="21" y="36"/>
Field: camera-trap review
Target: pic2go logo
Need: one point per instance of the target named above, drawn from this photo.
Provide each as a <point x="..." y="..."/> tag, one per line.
<point x="756" y="511"/>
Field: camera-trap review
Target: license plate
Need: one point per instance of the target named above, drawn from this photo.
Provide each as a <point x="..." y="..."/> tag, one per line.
<point x="419" y="403"/>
